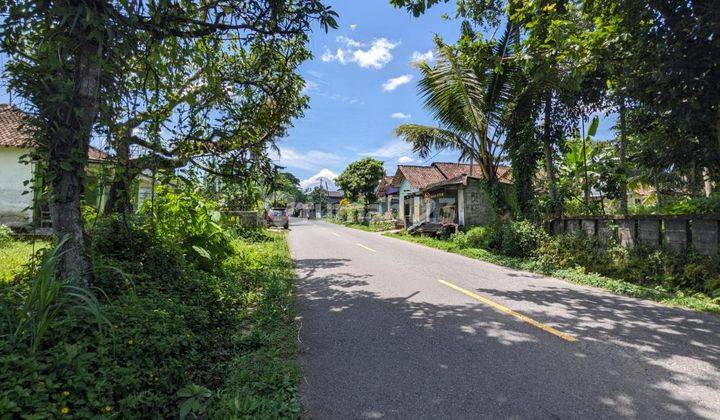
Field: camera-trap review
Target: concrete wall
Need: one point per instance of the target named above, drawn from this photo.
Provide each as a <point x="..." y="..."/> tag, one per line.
<point x="12" y="176"/>
<point x="478" y="206"/>
<point x="702" y="233"/>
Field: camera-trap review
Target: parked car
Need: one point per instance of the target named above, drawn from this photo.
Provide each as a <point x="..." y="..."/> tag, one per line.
<point x="278" y="217"/>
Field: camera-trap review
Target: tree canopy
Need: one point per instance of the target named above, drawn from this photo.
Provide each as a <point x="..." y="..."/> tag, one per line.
<point x="360" y="179"/>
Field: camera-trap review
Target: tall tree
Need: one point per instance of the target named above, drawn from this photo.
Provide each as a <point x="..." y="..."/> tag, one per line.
<point x="472" y="92"/>
<point x="67" y="59"/>
<point x="361" y="178"/>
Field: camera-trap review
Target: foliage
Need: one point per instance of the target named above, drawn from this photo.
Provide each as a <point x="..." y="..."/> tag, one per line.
<point x="518" y="239"/>
<point x="318" y="196"/>
<point x="471" y="91"/>
<point x="361" y="178"/>
<point x="185" y="218"/>
<point x="183" y="342"/>
<point x="475" y="237"/>
<point x="6" y="237"/>
<point x="17" y="256"/>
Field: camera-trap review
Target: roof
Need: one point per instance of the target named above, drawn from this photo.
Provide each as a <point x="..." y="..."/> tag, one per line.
<point x="418" y="176"/>
<point x="454" y="170"/>
<point x="13" y="135"/>
<point x="443" y="173"/>
<point x="335" y="194"/>
<point x="383" y="185"/>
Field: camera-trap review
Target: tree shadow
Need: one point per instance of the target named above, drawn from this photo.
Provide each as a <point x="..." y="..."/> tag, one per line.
<point x="368" y="352"/>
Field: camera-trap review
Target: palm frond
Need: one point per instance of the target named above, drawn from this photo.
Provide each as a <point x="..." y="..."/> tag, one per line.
<point x="426" y="139"/>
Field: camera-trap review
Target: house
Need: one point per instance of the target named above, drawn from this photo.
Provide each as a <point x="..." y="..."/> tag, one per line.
<point x="445" y="192"/>
<point x="387" y="196"/>
<point x="18" y="205"/>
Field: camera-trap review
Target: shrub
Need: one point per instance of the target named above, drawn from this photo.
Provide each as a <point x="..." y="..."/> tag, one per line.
<point x="194" y="223"/>
<point x="572" y="250"/>
<point x="480" y="236"/>
<point x="518" y="238"/>
<point x="380" y="225"/>
<point x="6" y="237"/>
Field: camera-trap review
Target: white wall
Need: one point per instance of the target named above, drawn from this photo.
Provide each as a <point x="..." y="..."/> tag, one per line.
<point x="12" y="175"/>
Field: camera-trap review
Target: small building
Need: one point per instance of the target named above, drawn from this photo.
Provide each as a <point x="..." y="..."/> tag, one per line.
<point x="23" y="204"/>
<point x="445" y="192"/>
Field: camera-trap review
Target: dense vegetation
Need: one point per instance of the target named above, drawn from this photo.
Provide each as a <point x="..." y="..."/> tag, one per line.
<point x="528" y="80"/>
<point x="190" y="318"/>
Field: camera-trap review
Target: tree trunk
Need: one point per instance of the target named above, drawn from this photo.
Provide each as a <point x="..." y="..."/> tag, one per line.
<point x="548" y="150"/>
<point x="68" y="149"/>
<point x="119" y="197"/>
<point x="623" y="152"/>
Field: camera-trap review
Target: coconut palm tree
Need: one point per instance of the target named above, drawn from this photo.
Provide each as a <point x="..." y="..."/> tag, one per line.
<point x="472" y="97"/>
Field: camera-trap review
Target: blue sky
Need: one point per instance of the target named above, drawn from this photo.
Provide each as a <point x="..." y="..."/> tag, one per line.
<point x="361" y="85"/>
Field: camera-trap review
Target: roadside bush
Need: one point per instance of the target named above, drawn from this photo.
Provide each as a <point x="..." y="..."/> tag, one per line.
<point x="518" y="239"/>
<point x="475" y="237"/>
<point x="179" y="341"/>
<point x="644" y="266"/>
<point x="194" y="223"/>
<point x="382" y="225"/>
<point x="6" y="237"/>
<point x="572" y="250"/>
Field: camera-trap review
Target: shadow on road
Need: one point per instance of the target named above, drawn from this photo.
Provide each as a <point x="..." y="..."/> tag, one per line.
<point x="370" y="356"/>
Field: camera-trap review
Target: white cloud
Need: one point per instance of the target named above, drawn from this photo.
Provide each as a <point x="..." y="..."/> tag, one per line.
<point x="353" y="26"/>
<point x="405" y="159"/>
<point x="376" y="56"/>
<point x="419" y="57"/>
<point x="396" y="82"/>
<point x="401" y="116"/>
<point x="310" y="160"/>
<point x="325" y="177"/>
<point x="392" y="149"/>
<point x="348" y="42"/>
<point x="329" y="56"/>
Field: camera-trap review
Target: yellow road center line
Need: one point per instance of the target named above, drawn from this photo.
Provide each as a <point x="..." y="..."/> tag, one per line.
<point x="363" y="246"/>
<point x="336" y="234"/>
<point x="510" y="312"/>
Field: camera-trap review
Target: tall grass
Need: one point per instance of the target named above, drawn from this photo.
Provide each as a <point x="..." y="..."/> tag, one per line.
<point x="48" y="303"/>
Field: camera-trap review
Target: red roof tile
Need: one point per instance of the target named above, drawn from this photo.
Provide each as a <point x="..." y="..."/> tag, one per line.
<point x="12" y="135"/>
<point x="418" y="176"/>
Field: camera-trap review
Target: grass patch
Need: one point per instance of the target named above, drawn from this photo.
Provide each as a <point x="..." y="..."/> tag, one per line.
<point x="690" y="300"/>
<point x="15" y="255"/>
<point x="369" y="227"/>
<point x="183" y="339"/>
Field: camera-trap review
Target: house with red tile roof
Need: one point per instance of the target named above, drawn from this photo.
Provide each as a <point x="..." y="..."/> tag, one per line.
<point x="17" y="203"/>
<point x="444" y="192"/>
<point x="19" y="206"/>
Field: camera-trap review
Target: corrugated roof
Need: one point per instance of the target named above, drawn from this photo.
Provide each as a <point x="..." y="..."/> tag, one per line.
<point x="12" y="135"/>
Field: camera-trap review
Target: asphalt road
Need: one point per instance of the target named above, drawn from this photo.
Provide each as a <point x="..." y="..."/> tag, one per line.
<point x="391" y="329"/>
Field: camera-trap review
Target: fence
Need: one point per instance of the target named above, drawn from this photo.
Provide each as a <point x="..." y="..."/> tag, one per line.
<point x="674" y="232"/>
<point x="245" y="218"/>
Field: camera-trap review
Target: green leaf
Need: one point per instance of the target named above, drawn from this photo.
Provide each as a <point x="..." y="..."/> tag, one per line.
<point x="593" y="127"/>
<point x="202" y="251"/>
